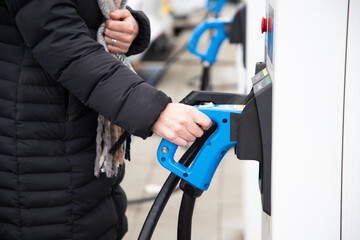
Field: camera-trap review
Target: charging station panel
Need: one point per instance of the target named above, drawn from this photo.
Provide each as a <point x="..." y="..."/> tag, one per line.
<point x="351" y="164"/>
<point x="306" y="61"/>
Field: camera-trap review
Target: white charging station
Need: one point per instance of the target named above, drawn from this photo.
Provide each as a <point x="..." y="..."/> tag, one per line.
<point x="311" y="50"/>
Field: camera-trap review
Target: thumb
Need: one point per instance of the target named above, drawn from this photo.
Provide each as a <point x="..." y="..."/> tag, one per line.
<point x="119" y="14"/>
<point x="202" y="119"/>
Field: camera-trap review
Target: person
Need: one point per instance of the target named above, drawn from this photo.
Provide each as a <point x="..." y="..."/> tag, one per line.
<point x="55" y="79"/>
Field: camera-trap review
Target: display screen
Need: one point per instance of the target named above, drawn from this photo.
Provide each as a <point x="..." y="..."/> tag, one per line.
<point x="270" y="34"/>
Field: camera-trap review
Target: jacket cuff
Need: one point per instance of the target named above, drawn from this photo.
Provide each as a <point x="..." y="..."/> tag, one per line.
<point x="142" y="41"/>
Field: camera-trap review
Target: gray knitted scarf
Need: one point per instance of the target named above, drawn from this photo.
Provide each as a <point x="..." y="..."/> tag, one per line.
<point x="107" y="133"/>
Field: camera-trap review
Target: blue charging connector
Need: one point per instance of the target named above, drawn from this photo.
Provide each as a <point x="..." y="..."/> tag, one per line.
<point x="215" y="42"/>
<point x="202" y="170"/>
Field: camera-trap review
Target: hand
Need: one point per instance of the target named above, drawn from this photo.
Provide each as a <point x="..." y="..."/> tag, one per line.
<point x="180" y="124"/>
<point x="123" y="28"/>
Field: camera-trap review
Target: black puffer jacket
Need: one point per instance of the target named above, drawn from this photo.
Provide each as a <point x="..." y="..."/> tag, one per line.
<point x="54" y="78"/>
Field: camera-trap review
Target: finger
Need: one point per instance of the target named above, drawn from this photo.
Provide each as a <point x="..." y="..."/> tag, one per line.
<point x="119" y="36"/>
<point x="123" y="26"/>
<point x="119" y="43"/>
<point x="180" y="142"/>
<point x="167" y="133"/>
<point x="179" y="129"/>
<point x="118" y="48"/>
<point x="187" y="136"/>
<point x="195" y="130"/>
<point x="113" y="49"/>
<point x="202" y="119"/>
<point x="176" y="139"/>
<point x="120" y="14"/>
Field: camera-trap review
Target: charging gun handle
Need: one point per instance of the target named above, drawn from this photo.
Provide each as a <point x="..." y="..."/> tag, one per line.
<point x="200" y="173"/>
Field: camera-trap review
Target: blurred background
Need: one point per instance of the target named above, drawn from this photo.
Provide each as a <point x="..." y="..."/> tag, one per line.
<point x="306" y="186"/>
<point x="172" y="68"/>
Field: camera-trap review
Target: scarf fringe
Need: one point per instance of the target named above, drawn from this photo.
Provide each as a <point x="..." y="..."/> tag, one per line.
<point x="110" y="138"/>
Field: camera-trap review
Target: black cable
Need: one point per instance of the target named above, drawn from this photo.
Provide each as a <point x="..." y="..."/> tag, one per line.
<point x="164" y="195"/>
<point x="186" y="209"/>
<point x="146" y="199"/>
<point x="169" y="186"/>
<point x="185" y="217"/>
<point x="205" y="77"/>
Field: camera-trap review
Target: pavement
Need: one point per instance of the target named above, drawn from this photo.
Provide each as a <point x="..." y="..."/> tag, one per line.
<point x="218" y="212"/>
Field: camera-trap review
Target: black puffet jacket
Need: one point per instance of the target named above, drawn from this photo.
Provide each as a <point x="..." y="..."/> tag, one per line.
<point x="54" y="80"/>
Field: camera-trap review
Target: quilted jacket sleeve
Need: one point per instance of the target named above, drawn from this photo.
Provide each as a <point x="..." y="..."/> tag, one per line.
<point x="61" y="43"/>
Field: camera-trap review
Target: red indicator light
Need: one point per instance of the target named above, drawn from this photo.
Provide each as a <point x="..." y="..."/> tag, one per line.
<point x="266" y="25"/>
